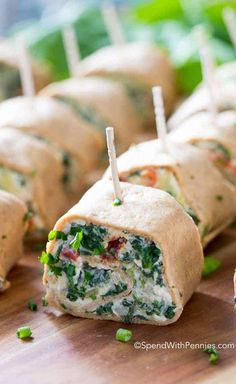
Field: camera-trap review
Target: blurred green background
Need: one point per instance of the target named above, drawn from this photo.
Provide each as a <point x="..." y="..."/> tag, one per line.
<point x="166" y="22"/>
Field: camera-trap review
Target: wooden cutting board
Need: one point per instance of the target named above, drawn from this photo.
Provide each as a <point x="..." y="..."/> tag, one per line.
<point x="65" y="349"/>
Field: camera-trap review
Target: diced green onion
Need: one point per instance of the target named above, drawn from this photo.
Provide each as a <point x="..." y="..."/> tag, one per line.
<point x="56" y="235"/>
<point x="24" y="332"/>
<point x="75" y="243"/>
<point x="123" y="335"/>
<point x="213" y="355"/>
<point x="32" y="305"/>
<point x="93" y="296"/>
<point x="117" y="202"/>
<point x="211" y="264"/>
<point x="47" y="258"/>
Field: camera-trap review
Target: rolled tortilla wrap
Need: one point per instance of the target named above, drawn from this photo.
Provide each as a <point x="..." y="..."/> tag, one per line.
<point x="76" y="141"/>
<point x="32" y="172"/>
<point x="45" y="117"/>
<point x="137" y="262"/>
<point x="217" y="138"/>
<point x="10" y="82"/>
<point x="12" y="229"/>
<point x="139" y="67"/>
<point x="187" y="174"/>
<point x="100" y="102"/>
<point x="199" y="102"/>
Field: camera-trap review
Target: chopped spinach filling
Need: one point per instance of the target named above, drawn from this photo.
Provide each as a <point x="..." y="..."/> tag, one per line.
<point x="142" y="264"/>
<point x="91" y="242"/>
<point x="105" y="309"/>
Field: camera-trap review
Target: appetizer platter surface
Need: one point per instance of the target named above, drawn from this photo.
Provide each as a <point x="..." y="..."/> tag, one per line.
<point x="135" y="278"/>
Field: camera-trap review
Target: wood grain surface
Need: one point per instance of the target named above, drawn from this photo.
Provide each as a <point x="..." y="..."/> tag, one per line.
<point x="66" y="349"/>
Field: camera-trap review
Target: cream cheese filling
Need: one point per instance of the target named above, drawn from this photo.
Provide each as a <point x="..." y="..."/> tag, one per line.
<point x="122" y="275"/>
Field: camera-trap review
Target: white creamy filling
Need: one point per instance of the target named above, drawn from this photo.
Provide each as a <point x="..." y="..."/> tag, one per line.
<point x="142" y="286"/>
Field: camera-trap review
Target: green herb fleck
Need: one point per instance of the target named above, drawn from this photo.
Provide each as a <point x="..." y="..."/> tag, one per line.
<point x="117" y="202"/>
<point x="213" y="355"/>
<point x="24" y="332"/>
<point x="47" y="258"/>
<point x="123" y="335"/>
<point x="93" y="296"/>
<point x="219" y="197"/>
<point x="56" y="235"/>
<point x="32" y="305"/>
<point x="211" y="264"/>
<point x="75" y="243"/>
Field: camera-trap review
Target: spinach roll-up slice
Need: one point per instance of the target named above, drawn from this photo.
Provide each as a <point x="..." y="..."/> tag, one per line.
<point x="10" y="82"/>
<point x="139" y="67"/>
<point x="137" y="262"/>
<point x="199" y="102"/>
<point x="101" y="103"/>
<point x="76" y="142"/>
<point x="13" y="216"/>
<point x="187" y="174"/>
<point x="32" y="172"/>
<point x="217" y="139"/>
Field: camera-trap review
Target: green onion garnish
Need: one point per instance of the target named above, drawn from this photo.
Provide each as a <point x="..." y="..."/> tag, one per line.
<point x="56" y="235"/>
<point x="211" y="264"/>
<point x="32" y="305"/>
<point x="24" y="332"/>
<point x="47" y="258"/>
<point x="213" y="355"/>
<point x="123" y="335"/>
<point x="75" y="243"/>
<point x="117" y="202"/>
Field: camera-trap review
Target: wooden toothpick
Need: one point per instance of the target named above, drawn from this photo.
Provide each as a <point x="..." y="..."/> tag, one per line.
<point x="71" y="49"/>
<point x="112" y="22"/>
<point x="160" y="116"/>
<point x="208" y="69"/>
<point x="229" y="17"/>
<point x="113" y="165"/>
<point x="26" y="72"/>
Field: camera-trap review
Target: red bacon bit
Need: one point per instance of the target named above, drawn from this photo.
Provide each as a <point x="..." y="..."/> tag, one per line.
<point x="113" y="248"/>
<point x="69" y="253"/>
